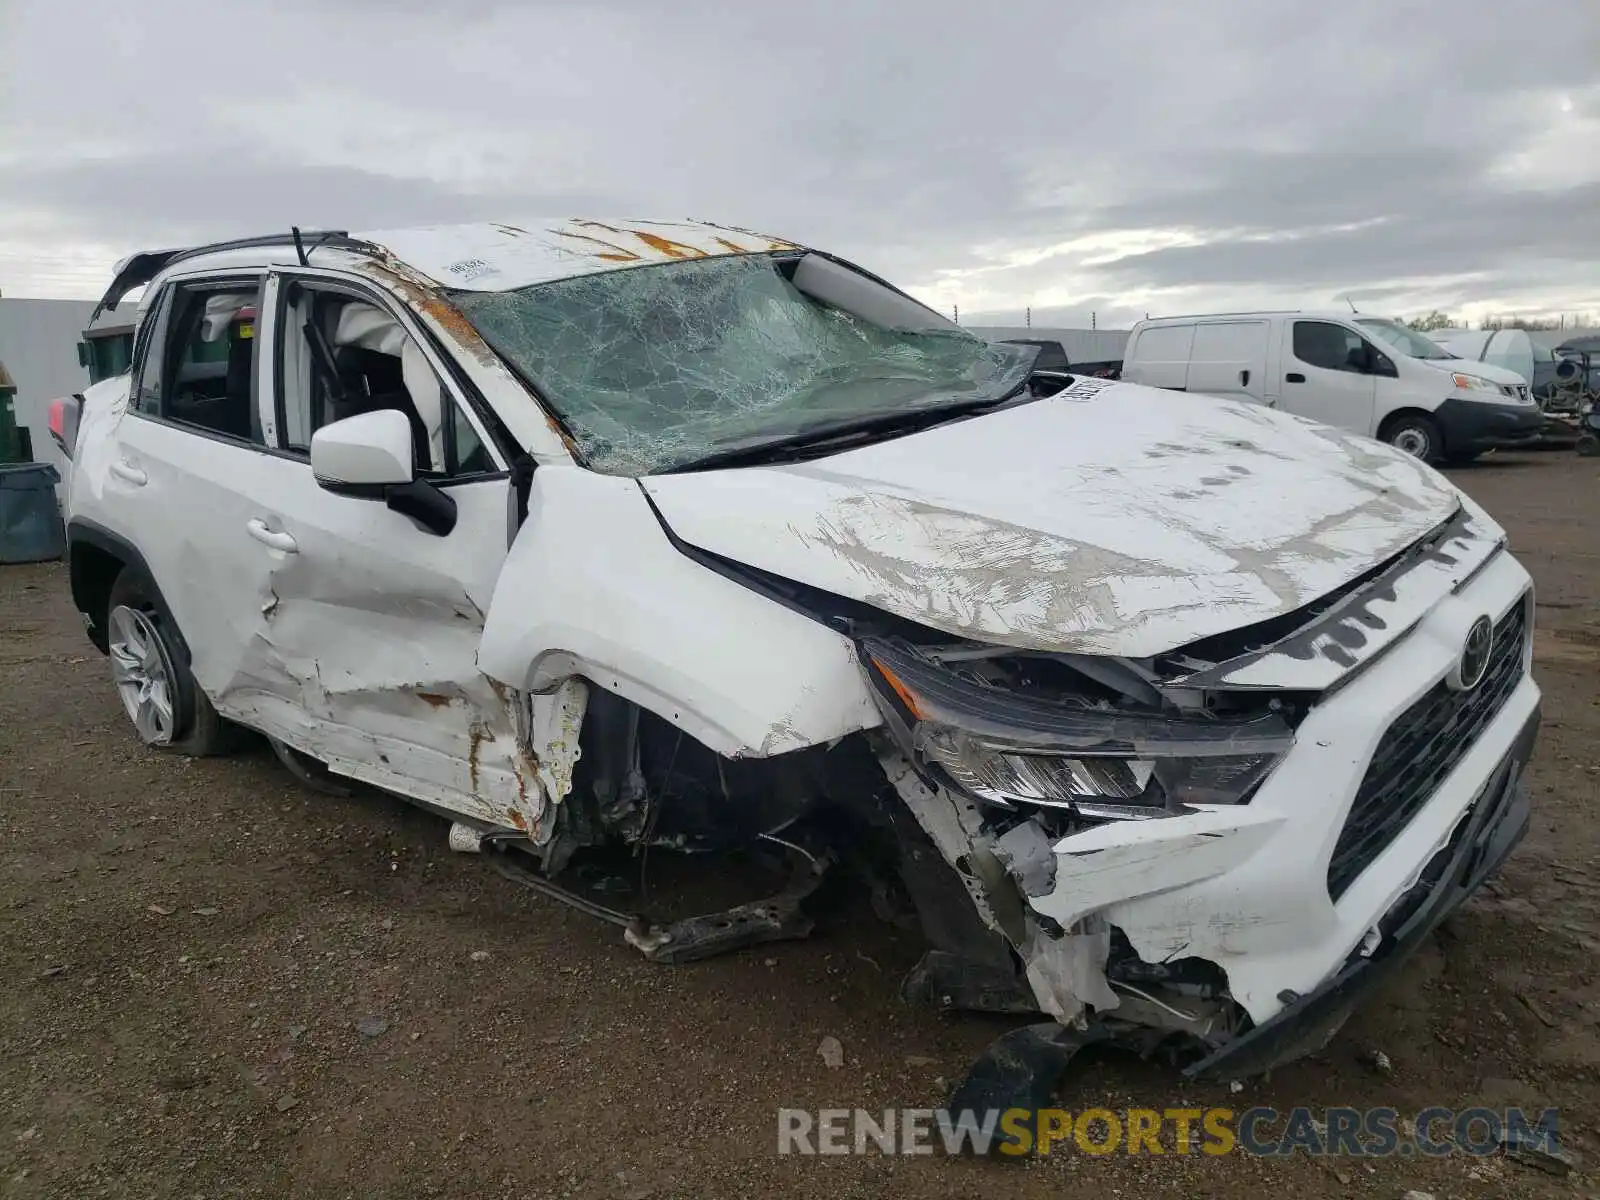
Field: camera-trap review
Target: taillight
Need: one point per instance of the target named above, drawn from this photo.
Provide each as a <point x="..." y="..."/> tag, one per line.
<point x="64" y="424"/>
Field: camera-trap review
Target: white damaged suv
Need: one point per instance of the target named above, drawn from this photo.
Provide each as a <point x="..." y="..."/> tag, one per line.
<point x="1178" y="720"/>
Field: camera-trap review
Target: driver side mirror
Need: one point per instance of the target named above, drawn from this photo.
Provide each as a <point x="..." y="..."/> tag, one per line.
<point x="365" y="451"/>
<point x="371" y="456"/>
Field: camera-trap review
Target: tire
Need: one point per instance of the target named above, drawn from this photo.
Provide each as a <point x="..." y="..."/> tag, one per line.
<point x="1589" y="445"/>
<point x="150" y="669"/>
<point x="1417" y="435"/>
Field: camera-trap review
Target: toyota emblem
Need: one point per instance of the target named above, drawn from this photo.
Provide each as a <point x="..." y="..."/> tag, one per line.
<point x="1475" y="653"/>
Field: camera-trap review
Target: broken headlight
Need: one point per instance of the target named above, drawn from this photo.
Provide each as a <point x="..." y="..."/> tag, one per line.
<point x="1098" y="759"/>
<point x="1106" y="786"/>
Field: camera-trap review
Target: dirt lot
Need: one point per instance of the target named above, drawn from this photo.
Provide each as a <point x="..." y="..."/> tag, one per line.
<point x="200" y="957"/>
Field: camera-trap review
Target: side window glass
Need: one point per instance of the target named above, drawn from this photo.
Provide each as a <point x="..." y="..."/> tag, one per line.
<point x="212" y="352"/>
<point x="470" y="454"/>
<point x="152" y="353"/>
<point x="344" y="356"/>
<point x="1331" y="347"/>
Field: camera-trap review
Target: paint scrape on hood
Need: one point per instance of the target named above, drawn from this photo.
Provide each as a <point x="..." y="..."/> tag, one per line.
<point x="1111" y="519"/>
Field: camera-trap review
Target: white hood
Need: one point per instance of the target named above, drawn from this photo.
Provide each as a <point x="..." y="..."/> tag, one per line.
<point x="1110" y="519"/>
<point x="1499" y="376"/>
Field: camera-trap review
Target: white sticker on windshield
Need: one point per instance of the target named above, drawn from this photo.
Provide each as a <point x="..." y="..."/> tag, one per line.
<point x="469" y="269"/>
<point x="1083" y="387"/>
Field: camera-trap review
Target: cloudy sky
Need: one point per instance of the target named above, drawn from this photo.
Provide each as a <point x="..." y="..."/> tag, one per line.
<point x="1172" y="155"/>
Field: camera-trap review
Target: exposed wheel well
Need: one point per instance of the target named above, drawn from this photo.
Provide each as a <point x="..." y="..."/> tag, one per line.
<point x="92" y="570"/>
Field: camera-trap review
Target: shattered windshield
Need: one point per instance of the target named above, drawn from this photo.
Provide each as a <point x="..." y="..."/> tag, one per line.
<point x="652" y="368"/>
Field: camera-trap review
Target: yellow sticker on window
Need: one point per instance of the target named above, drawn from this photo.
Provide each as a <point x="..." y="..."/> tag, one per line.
<point x="247" y="331"/>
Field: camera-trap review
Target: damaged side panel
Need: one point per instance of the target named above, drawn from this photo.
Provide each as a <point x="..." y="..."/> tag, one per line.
<point x="439" y="668"/>
<point x="593" y="588"/>
<point x="360" y="649"/>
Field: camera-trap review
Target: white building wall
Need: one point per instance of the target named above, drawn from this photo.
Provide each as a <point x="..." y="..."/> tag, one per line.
<point x="1081" y="345"/>
<point x="39" y="346"/>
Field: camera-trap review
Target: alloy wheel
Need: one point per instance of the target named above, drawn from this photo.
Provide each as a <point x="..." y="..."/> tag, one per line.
<point x="143" y="675"/>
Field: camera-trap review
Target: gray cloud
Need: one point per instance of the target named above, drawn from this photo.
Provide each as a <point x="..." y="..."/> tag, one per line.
<point x="1172" y="154"/>
<point x="180" y="195"/>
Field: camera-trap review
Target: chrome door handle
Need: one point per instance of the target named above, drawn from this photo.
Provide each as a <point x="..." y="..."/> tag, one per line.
<point x="129" y="474"/>
<point x="278" y="540"/>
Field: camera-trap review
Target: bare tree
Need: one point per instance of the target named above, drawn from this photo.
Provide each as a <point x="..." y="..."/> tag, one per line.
<point x="1519" y="323"/>
<point x="1434" y="320"/>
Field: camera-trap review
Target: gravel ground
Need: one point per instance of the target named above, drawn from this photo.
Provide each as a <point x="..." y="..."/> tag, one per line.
<point x="221" y="984"/>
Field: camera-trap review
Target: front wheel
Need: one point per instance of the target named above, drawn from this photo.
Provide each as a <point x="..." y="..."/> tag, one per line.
<point x="1417" y="435"/>
<point x="150" y="668"/>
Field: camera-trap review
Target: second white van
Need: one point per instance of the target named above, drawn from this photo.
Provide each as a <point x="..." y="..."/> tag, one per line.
<point x="1328" y="368"/>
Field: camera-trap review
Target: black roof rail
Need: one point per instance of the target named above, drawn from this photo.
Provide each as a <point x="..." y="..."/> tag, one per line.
<point x="141" y="268"/>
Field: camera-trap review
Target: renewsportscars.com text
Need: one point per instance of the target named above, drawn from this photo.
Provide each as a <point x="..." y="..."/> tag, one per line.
<point x="1353" y="1132"/>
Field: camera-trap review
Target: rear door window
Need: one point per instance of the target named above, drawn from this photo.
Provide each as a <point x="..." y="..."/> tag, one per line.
<point x="197" y="365"/>
<point x="150" y="353"/>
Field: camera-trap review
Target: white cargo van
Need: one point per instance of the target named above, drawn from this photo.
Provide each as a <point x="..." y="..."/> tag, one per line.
<point x="1328" y="368"/>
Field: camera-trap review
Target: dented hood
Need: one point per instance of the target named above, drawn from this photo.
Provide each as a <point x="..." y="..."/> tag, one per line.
<point x="1109" y="519"/>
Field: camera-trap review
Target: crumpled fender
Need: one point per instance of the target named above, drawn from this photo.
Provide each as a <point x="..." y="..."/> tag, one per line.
<point x="592" y="587"/>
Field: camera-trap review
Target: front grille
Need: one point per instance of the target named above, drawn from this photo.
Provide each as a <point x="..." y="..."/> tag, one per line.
<point x="1422" y="747"/>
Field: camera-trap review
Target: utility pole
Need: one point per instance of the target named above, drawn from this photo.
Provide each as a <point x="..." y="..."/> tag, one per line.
<point x="1027" y="319"/>
<point x="1092" y="320"/>
<point x="955" y="310"/>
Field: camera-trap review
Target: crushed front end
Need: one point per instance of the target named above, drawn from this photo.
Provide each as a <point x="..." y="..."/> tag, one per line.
<point x="1219" y="849"/>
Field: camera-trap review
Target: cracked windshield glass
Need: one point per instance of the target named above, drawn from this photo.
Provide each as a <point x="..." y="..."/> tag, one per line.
<point x="652" y="368"/>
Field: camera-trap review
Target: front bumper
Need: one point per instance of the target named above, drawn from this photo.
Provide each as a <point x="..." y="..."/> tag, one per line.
<point x="1248" y="887"/>
<point x="1494" y="825"/>
<point x="1471" y="426"/>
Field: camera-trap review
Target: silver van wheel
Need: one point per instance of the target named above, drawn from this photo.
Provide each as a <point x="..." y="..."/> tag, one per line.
<point x="143" y="675"/>
<point x="1414" y="442"/>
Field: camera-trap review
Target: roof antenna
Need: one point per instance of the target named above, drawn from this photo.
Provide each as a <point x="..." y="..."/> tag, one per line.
<point x="299" y="246"/>
<point x="1350" y="302"/>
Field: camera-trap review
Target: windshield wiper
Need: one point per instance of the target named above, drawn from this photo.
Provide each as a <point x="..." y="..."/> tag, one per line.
<point x="828" y="437"/>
